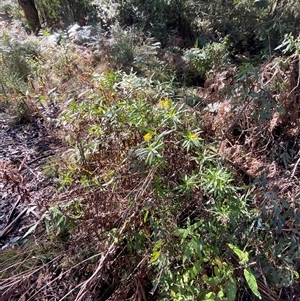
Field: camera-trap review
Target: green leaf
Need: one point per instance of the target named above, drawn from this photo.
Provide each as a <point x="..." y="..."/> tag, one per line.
<point x="146" y="216"/>
<point x="218" y="262"/>
<point x="221" y="294"/>
<point x="156" y="252"/>
<point x="251" y="280"/>
<point x="187" y="254"/>
<point x="243" y="256"/>
<point x="196" y="246"/>
<point x="217" y="271"/>
<point x="213" y="281"/>
<point x="230" y="289"/>
<point x="165" y="133"/>
<point x="155" y="256"/>
<point x="196" y="225"/>
<point x="196" y="269"/>
<point x="31" y="230"/>
<point x="210" y="296"/>
<point x="186" y="277"/>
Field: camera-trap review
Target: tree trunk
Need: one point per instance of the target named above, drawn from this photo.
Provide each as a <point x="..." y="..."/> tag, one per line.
<point x="31" y="14"/>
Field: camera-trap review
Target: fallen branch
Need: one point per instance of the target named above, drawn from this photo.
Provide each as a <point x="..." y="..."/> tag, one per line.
<point x="8" y="228"/>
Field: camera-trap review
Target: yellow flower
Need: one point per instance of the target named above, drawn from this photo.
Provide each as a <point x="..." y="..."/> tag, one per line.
<point x="193" y="136"/>
<point x="164" y="102"/>
<point x="147" y="137"/>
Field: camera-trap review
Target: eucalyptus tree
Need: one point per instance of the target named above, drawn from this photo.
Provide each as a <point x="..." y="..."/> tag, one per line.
<point x="56" y="13"/>
<point x="31" y="14"/>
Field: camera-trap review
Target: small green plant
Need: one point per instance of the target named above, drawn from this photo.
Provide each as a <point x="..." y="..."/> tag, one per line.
<point x="218" y="182"/>
<point x="212" y="55"/>
<point x="189" y="184"/>
<point x="248" y="274"/>
<point x="61" y="220"/>
<point x="151" y="153"/>
<point x="123" y="49"/>
<point x="289" y="45"/>
<point x="191" y="139"/>
<point x="199" y="273"/>
<point x="16" y="56"/>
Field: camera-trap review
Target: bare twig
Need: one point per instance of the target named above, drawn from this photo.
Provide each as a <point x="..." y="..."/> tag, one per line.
<point x="295" y="168"/>
<point x="13" y="209"/>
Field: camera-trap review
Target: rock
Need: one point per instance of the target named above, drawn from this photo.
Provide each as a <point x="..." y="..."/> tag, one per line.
<point x="85" y="35"/>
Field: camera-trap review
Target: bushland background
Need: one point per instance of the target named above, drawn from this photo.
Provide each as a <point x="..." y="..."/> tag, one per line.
<point x="149" y="150"/>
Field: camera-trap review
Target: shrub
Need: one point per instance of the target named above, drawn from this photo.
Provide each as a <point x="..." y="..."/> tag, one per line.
<point x="15" y="58"/>
<point x="65" y="12"/>
<point x="186" y="206"/>
<point x="202" y="60"/>
<point x="159" y="18"/>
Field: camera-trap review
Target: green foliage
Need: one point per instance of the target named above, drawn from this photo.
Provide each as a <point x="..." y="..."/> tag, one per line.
<point x="65" y="11"/>
<point x="211" y="56"/>
<point x="252" y="27"/>
<point x="289" y="45"/>
<point x="160" y="18"/>
<point x="154" y="138"/>
<point x="202" y="274"/>
<point x="144" y="163"/>
<point x="277" y="259"/>
<point x="218" y="182"/>
<point x="123" y="50"/>
<point x="61" y="220"/>
<point x="191" y="140"/>
<point x="16" y="57"/>
<point x="8" y="10"/>
<point x="249" y="276"/>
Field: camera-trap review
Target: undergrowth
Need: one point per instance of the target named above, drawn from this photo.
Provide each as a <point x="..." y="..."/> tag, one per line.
<point x="155" y="174"/>
<point x="165" y="191"/>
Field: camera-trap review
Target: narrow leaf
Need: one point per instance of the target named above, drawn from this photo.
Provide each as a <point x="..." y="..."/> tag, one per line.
<point x="30" y="230"/>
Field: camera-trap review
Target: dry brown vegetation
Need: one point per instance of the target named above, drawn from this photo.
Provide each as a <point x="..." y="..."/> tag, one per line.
<point x="140" y="172"/>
